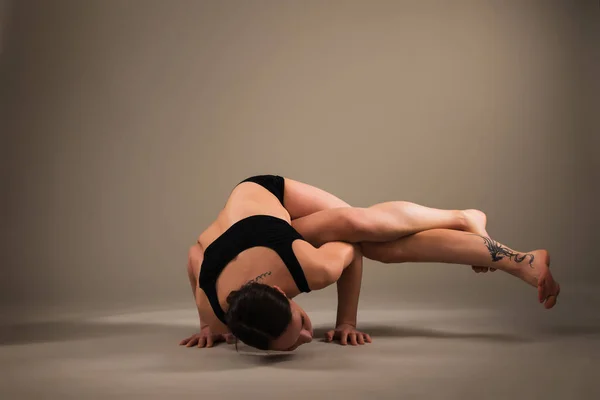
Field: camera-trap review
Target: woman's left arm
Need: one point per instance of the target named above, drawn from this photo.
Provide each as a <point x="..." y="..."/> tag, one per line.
<point x="341" y="263"/>
<point x="348" y="291"/>
<point x="345" y="266"/>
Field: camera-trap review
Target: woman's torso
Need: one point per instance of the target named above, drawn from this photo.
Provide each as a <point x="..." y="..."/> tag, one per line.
<point x="257" y="263"/>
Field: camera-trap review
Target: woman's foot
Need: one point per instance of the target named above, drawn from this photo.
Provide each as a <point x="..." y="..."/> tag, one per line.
<point x="475" y="221"/>
<point x="535" y="270"/>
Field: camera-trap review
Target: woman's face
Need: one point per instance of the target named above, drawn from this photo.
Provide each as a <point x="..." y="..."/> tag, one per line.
<point x="298" y="332"/>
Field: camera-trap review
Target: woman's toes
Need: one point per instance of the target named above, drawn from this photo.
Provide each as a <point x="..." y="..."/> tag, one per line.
<point x="550" y="302"/>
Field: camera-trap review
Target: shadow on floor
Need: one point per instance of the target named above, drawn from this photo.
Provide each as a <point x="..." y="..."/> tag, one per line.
<point x="58" y="331"/>
<point x="384" y="331"/>
<point x="154" y="347"/>
<point x="54" y="331"/>
<point x="126" y="347"/>
<point x="390" y="331"/>
<point x="566" y="331"/>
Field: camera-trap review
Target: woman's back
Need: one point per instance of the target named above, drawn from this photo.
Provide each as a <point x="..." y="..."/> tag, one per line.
<point x="246" y="199"/>
<point x="259" y="263"/>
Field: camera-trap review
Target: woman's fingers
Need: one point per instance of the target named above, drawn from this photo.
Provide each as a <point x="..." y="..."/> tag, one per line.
<point x="193" y="341"/>
<point x="361" y="338"/>
<point x="329" y="335"/>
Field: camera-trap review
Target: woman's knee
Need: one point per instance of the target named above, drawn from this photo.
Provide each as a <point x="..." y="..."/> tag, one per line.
<point x="358" y="223"/>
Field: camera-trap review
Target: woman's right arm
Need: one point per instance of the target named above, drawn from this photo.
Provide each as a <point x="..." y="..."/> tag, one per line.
<point x="211" y="329"/>
<point x="195" y="258"/>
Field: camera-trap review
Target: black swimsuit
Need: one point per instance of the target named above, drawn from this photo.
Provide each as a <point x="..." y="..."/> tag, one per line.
<point x="257" y="230"/>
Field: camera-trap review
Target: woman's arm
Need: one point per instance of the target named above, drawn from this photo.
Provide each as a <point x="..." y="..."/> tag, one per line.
<point x="195" y="258"/>
<point x="325" y="265"/>
<point x="206" y="319"/>
<point x="348" y="291"/>
<point x="211" y="329"/>
<point x="340" y="263"/>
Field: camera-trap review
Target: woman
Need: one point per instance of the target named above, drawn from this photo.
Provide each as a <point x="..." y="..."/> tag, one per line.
<point x="277" y="237"/>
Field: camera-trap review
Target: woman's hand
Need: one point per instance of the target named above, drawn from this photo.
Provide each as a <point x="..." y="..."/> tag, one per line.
<point x="207" y="339"/>
<point x="347" y="333"/>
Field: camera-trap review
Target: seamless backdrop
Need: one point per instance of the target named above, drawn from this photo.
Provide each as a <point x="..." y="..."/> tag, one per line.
<point x="126" y="123"/>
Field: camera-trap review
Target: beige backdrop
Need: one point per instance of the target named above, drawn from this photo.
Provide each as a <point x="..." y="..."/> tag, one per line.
<point x="128" y="122"/>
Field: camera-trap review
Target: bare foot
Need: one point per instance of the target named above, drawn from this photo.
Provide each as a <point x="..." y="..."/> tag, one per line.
<point x="475" y="222"/>
<point x="536" y="272"/>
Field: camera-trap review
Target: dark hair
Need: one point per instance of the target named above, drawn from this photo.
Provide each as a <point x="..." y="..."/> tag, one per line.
<point x="258" y="314"/>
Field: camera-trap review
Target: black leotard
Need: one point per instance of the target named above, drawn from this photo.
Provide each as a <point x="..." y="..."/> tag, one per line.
<point x="257" y="230"/>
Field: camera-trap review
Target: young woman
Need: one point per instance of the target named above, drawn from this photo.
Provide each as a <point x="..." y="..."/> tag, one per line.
<point x="277" y="237"/>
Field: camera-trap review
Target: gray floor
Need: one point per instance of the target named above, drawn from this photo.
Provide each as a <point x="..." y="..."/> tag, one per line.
<point x="418" y="353"/>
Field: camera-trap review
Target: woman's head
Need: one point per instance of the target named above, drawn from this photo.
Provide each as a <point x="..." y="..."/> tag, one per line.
<point x="263" y="317"/>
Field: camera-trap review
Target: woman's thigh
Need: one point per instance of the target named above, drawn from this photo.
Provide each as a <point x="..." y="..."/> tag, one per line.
<point x="301" y="199"/>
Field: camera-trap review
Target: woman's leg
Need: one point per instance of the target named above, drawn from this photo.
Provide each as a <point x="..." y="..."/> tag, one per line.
<point x="389" y="220"/>
<point x="385" y="222"/>
<point x="454" y="247"/>
<point x="322" y="217"/>
<point x="319" y="215"/>
<point x="301" y="199"/>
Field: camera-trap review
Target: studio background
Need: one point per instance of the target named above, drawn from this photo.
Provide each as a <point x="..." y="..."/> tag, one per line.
<point x="127" y="123"/>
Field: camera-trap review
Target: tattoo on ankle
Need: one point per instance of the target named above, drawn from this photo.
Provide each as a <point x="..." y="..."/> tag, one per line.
<point x="261" y="276"/>
<point x="499" y="251"/>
